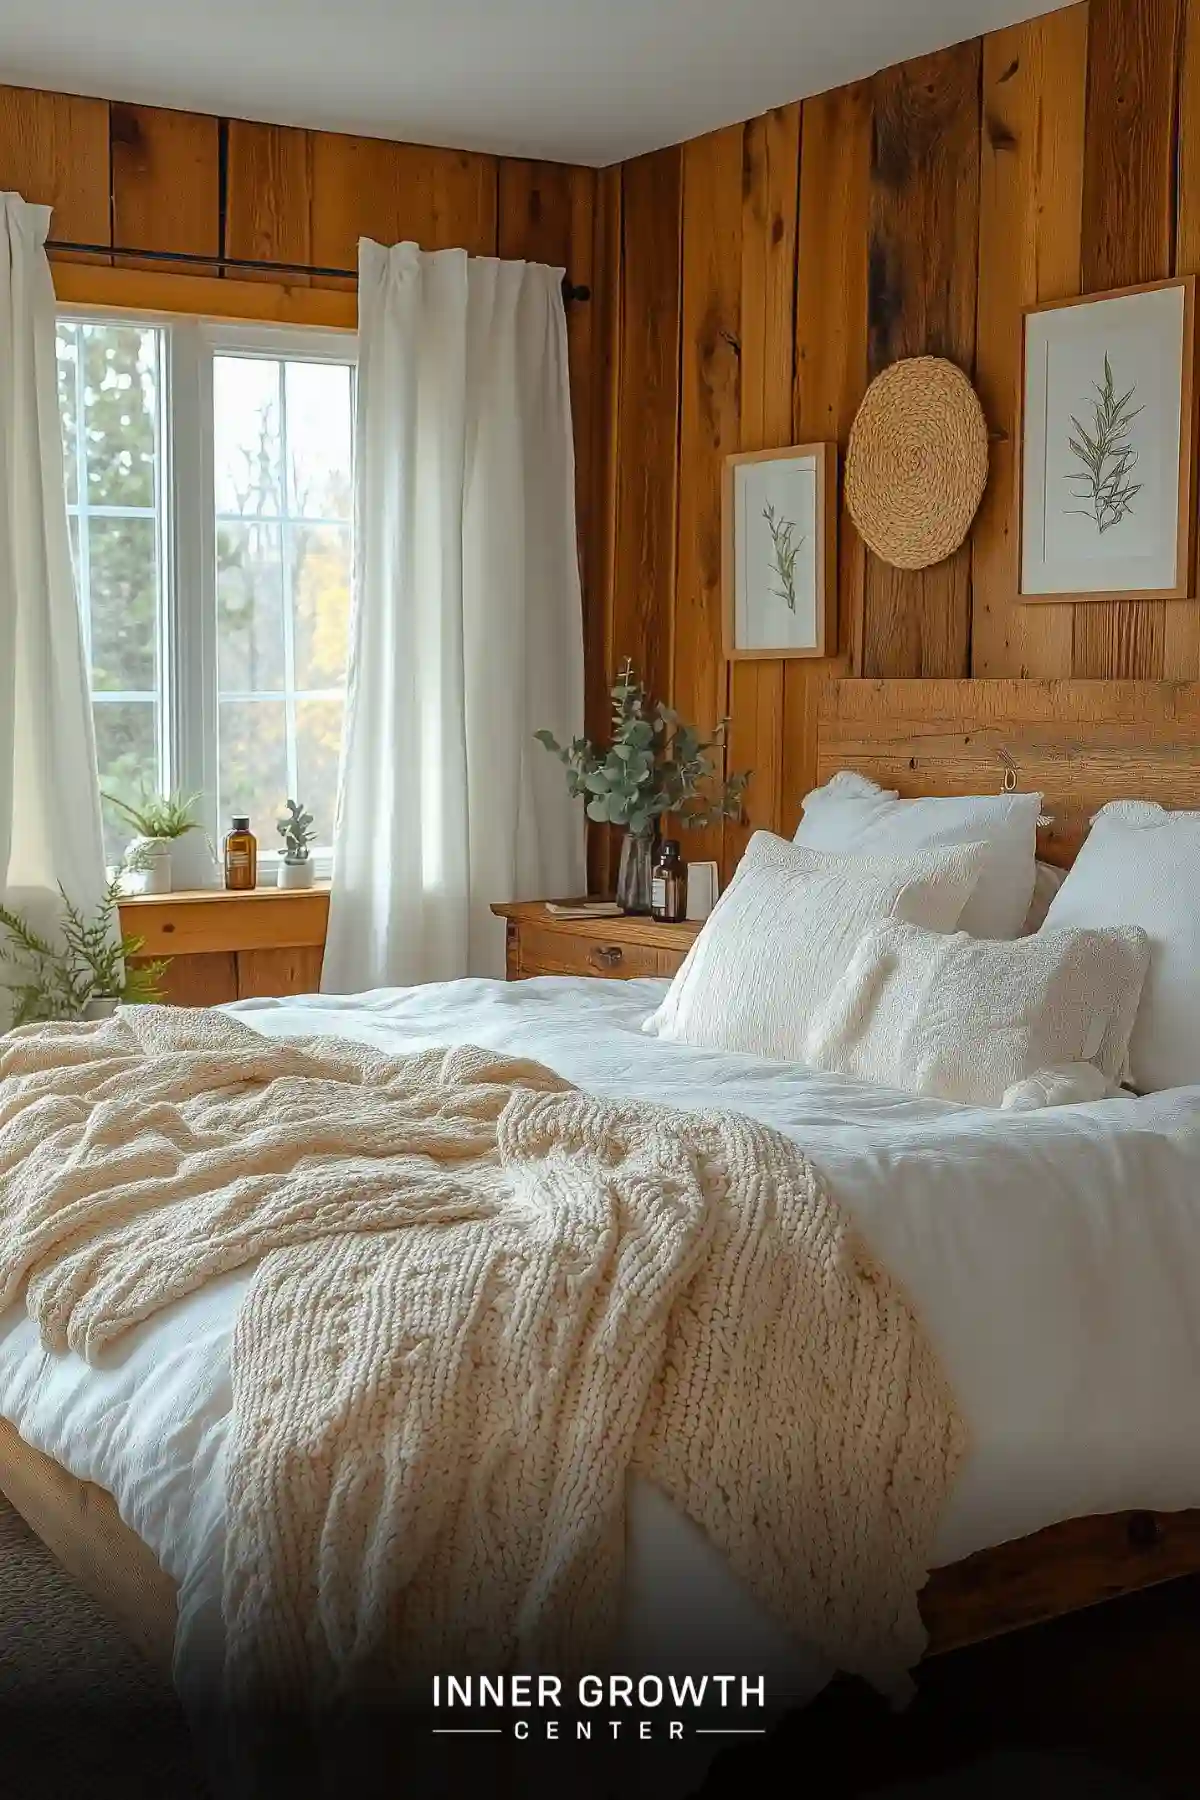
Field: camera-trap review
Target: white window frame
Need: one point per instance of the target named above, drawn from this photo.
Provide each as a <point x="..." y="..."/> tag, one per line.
<point x="186" y="500"/>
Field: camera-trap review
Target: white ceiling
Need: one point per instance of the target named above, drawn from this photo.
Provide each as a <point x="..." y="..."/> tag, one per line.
<point x="589" y="81"/>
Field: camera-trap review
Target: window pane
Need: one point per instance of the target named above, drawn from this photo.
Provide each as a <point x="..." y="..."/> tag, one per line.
<point x="319" y="557"/>
<point x="246" y="447"/>
<point x="123" y="578"/>
<point x="318" y="741"/>
<point x="127" y="757"/>
<point x="250" y="609"/>
<point x="120" y="396"/>
<point x="253" y="765"/>
<point x="118" y="572"/>
<point x="318" y="440"/>
<point x="68" y="357"/>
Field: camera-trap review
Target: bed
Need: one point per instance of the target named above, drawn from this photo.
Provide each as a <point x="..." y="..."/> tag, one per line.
<point x="1061" y="1282"/>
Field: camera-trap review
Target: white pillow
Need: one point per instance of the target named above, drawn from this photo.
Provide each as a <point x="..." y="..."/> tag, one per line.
<point x="1140" y="865"/>
<point x="1046" y="884"/>
<point x="852" y="813"/>
<point x="784" y="931"/>
<point x="963" y="1018"/>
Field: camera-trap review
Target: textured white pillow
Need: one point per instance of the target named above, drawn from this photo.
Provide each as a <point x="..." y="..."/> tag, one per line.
<point x="852" y="813"/>
<point x="1140" y="865"/>
<point x="963" y="1018"/>
<point x="784" y="931"/>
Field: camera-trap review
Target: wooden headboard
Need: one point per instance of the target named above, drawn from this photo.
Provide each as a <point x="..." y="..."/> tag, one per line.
<point x="1080" y="743"/>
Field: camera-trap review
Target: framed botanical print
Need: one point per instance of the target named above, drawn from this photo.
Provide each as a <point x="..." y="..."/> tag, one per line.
<point x="779" y="552"/>
<point x="1107" y="435"/>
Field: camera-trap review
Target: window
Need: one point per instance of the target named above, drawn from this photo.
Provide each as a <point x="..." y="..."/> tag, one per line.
<point x="209" y="487"/>
<point x="110" y="395"/>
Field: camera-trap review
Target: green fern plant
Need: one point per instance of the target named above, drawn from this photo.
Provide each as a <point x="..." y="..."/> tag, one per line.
<point x="1106" y="456"/>
<point x="91" y="961"/>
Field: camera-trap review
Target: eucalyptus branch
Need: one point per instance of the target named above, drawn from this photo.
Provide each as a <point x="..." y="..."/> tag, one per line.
<point x="655" y="765"/>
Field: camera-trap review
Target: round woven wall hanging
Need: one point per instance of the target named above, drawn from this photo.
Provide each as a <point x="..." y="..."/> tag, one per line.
<point x="917" y="463"/>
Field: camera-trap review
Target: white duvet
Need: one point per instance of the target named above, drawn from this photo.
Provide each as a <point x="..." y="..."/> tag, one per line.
<point x="1054" y="1256"/>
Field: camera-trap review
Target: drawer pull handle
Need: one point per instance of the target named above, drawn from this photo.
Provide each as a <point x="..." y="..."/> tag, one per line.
<point x="168" y="927"/>
<point x="606" y="956"/>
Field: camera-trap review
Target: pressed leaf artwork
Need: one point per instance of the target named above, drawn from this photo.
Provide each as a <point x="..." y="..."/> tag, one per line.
<point x="1105" y="456"/>
<point x="785" y="548"/>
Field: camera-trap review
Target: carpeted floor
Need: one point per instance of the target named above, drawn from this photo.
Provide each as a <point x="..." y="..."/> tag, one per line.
<point x="81" y="1713"/>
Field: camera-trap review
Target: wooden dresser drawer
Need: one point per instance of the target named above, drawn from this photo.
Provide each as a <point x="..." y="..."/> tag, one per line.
<point x="539" y="944"/>
<point x="548" y="952"/>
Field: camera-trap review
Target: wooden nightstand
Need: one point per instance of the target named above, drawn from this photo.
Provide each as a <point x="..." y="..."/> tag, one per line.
<point x="538" y="944"/>
<point x="232" y="946"/>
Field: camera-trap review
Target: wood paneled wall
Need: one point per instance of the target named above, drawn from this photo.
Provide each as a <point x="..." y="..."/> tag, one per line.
<point x="762" y="274"/>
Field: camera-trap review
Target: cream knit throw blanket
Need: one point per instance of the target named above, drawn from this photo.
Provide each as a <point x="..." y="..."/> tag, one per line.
<point x="483" y="1298"/>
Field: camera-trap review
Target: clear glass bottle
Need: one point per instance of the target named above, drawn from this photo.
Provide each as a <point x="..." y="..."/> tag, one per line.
<point x="668" y="887"/>
<point x="241" y="854"/>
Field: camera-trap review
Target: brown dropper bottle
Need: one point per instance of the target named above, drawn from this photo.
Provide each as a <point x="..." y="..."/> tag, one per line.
<point x="241" y="854"/>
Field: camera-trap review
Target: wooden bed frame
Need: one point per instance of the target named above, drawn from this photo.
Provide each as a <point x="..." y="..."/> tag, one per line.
<point x="1080" y="743"/>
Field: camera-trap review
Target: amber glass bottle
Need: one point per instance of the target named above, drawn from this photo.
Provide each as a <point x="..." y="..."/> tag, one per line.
<point x="668" y="887"/>
<point x="241" y="854"/>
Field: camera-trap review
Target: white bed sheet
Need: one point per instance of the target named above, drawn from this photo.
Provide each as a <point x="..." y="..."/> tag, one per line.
<point x="1053" y="1256"/>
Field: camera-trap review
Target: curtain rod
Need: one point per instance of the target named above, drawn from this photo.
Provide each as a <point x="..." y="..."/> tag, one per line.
<point x="569" y="290"/>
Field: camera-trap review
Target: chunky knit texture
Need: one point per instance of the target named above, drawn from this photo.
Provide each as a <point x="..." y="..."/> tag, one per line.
<point x="483" y="1298"/>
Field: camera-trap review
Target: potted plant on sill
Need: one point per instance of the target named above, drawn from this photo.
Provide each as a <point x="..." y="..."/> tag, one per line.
<point x="171" y="851"/>
<point x="296" y="870"/>
<point x="85" y="975"/>
<point x="655" y="765"/>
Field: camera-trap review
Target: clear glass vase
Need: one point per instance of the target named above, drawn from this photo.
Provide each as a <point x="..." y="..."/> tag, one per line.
<point x="634" y="876"/>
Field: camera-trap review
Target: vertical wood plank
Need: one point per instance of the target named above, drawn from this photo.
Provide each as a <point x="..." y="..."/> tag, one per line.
<point x="647" y="472"/>
<point x="54" y="151"/>
<point x="365" y="187"/>
<point x="534" y="218"/>
<point x="709" y="428"/>
<point x="1030" y="217"/>
<point x="831" y="377"/>
<point x="1181" y="623"/>
<point x="165" y="182"/>
<point x="268" y="214"/>
<point x="600" y="548"/>
<point x="923" y="235"/>
<point x="770" y="180"/>
<point x="1128" y="225"/>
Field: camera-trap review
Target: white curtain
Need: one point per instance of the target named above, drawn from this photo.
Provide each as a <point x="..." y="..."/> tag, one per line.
<point x="50" y="829"/>
<point x="467" y="633"/>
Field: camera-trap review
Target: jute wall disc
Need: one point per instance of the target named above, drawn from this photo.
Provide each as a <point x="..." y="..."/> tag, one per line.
<point x="917" y="463"/>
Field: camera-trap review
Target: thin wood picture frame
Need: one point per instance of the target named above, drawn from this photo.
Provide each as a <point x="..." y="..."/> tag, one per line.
<point x="816" y="630"/>
<point x="1184" y="487"/>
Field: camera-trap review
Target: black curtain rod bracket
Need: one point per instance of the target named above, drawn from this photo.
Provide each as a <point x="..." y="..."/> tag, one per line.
<point x="570" y="291"/>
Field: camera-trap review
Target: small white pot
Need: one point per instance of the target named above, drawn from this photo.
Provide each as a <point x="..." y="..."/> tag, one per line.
<point x="295" y="874"/>
<point x="192" y="862"/>
<point x="101" y="1008"/>
<point x="155" y="878"/>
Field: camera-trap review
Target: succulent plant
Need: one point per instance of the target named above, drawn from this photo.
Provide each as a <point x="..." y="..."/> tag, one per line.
<point x="296" y="832"/>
